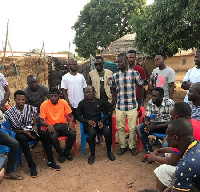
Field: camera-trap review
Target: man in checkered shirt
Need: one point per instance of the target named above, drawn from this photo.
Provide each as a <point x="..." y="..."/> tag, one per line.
<point x="159" y="106"/>
<point x="124" y="97"/>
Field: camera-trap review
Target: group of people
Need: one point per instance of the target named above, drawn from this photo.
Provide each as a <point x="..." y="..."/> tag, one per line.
<point x="93" y="105"/>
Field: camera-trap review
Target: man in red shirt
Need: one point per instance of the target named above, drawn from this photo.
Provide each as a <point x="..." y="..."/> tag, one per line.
<point x="132" y="65"/>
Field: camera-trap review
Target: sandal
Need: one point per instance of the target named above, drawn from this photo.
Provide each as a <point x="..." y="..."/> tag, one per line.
<point x="144" y="158"/>
<point x="13" y="176"/>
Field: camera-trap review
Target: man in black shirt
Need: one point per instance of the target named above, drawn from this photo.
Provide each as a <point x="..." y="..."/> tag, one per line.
<point x="89" y="113"/>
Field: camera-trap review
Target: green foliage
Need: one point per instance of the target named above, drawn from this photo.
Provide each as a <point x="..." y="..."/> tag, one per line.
<point x="167" y="25"/>
<point x="102" y="22"/>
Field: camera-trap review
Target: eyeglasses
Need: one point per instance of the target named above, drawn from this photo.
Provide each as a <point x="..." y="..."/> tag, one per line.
<point x="97" y="64"/>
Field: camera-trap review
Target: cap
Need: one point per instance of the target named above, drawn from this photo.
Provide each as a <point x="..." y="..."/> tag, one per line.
<point x="54" y="90"/>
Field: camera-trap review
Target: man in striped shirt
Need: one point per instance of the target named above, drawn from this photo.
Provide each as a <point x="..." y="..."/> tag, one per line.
<point x="22" y="118"/>
<point x="124" y="97"/>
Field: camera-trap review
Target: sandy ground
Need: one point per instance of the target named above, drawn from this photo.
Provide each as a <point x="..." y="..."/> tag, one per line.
<point x="125" y="174"/>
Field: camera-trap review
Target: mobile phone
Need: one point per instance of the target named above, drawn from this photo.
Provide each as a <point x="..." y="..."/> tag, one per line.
<point x="2" y="160"/>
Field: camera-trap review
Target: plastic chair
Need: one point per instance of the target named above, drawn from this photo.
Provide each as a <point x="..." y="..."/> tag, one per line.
<point x="157" y="135"/>
<point x="63" y="138"/>
<point x="139" y="121"/>
<point x="84" y="137"/>
<point x="5" y="149"/>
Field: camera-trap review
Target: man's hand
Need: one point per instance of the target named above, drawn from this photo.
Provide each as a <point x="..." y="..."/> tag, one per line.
<point x="149" y="128"/>
<point x="151" y="157"/>
<point x="71" y="126"/>
<point x="51" y="129"/>
<point x="100" y="124"/>
<point x="92" y="123"/>
<point x="28" y="134"/>
<point x="2" y="174"/>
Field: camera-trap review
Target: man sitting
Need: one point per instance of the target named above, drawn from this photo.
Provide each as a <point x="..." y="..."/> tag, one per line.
<point x="7" y="140"/>
<point x="159" y="106"/>
<point x="89" y="113"/>
<point x="180" y="136"/>
<point x="165" y="171"/>
<point x="52" y="116"/>
<point x="20" y="116"/>
<point x="194" y="100"/>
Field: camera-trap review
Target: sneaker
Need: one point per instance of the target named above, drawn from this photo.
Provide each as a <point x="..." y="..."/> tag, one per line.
<point x="133" y="151"/>
<point x="111" y="156"/>
<point x="91" y="159"/>
<point x="54" y="166"/>
<point x="145" y="158"/>
<point x="69" y="156"/>
<point x="61" y="158"/>
<point x="34" y="172"/>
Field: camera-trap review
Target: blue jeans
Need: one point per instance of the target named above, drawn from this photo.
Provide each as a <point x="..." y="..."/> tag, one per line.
<point x="13" y="144"/>
<point x="144" y="135"/>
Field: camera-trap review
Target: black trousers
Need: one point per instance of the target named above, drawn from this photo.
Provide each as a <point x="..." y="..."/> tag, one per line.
<point x="61" y="129"/>
<point x="92" y="135"/>
<point x="44" y="138"/>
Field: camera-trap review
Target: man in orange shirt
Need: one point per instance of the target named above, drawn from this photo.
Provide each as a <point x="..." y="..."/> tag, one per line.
<point x="52" y="116"/>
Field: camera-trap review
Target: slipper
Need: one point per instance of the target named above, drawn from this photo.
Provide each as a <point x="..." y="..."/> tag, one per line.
<point x="14" y="177"/>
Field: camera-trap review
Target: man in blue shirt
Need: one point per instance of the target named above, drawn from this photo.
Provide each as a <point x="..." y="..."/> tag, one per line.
<point x="180" y="136"/>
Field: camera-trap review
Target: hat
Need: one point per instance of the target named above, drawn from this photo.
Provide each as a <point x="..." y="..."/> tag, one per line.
<point x="54" y="90"/>
<point x="2" y="118"/>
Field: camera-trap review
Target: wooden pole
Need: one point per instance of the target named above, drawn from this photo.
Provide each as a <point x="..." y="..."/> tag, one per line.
<point x="4" y="55"/>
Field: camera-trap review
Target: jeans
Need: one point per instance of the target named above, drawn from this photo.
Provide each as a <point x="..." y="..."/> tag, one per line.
<point x="61" y="129"/>
<point x="92" y="135"/>
<point x="144" y="135"/>
<point x="44" y="138"/>
<point x="13" y="144"/>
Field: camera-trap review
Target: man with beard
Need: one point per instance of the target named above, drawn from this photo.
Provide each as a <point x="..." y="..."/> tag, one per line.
<point x="73" y="84"/>
<point x="101" y="80"/>
<point x="52" y="116"/>
<point x="192" y="76"/>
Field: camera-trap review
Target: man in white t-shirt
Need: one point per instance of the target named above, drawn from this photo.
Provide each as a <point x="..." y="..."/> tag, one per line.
<point x="73" y="84"/>
<point x="163" y="76"/>
<point x="4" y="97"/>
<point x="192" y="76"/>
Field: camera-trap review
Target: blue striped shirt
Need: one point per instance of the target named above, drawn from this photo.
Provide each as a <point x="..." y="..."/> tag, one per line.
<point x="125" y="84"/>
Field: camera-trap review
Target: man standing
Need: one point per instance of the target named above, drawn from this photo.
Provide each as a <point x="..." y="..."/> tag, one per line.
<point x="35" y="93"/>
<point x="73" y="84"/>
<point x="163" y="76"/>
<point x="4" y="97"/>
<point x="124" y="97"/>
<point x="101" y="80"/>
<point x="194" y="100"/>
<point x="52" y="116"/>
<point x="192" y="76"/>
<point x="132" y="65"/>
<point x="180" y="136"/>
<point x="20" y="116"/>
<point x="160" y="107"/>
<point x="89" y="113"/>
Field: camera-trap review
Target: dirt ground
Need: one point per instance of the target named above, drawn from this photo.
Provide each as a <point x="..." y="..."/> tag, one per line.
<point x="125" y="174"/>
